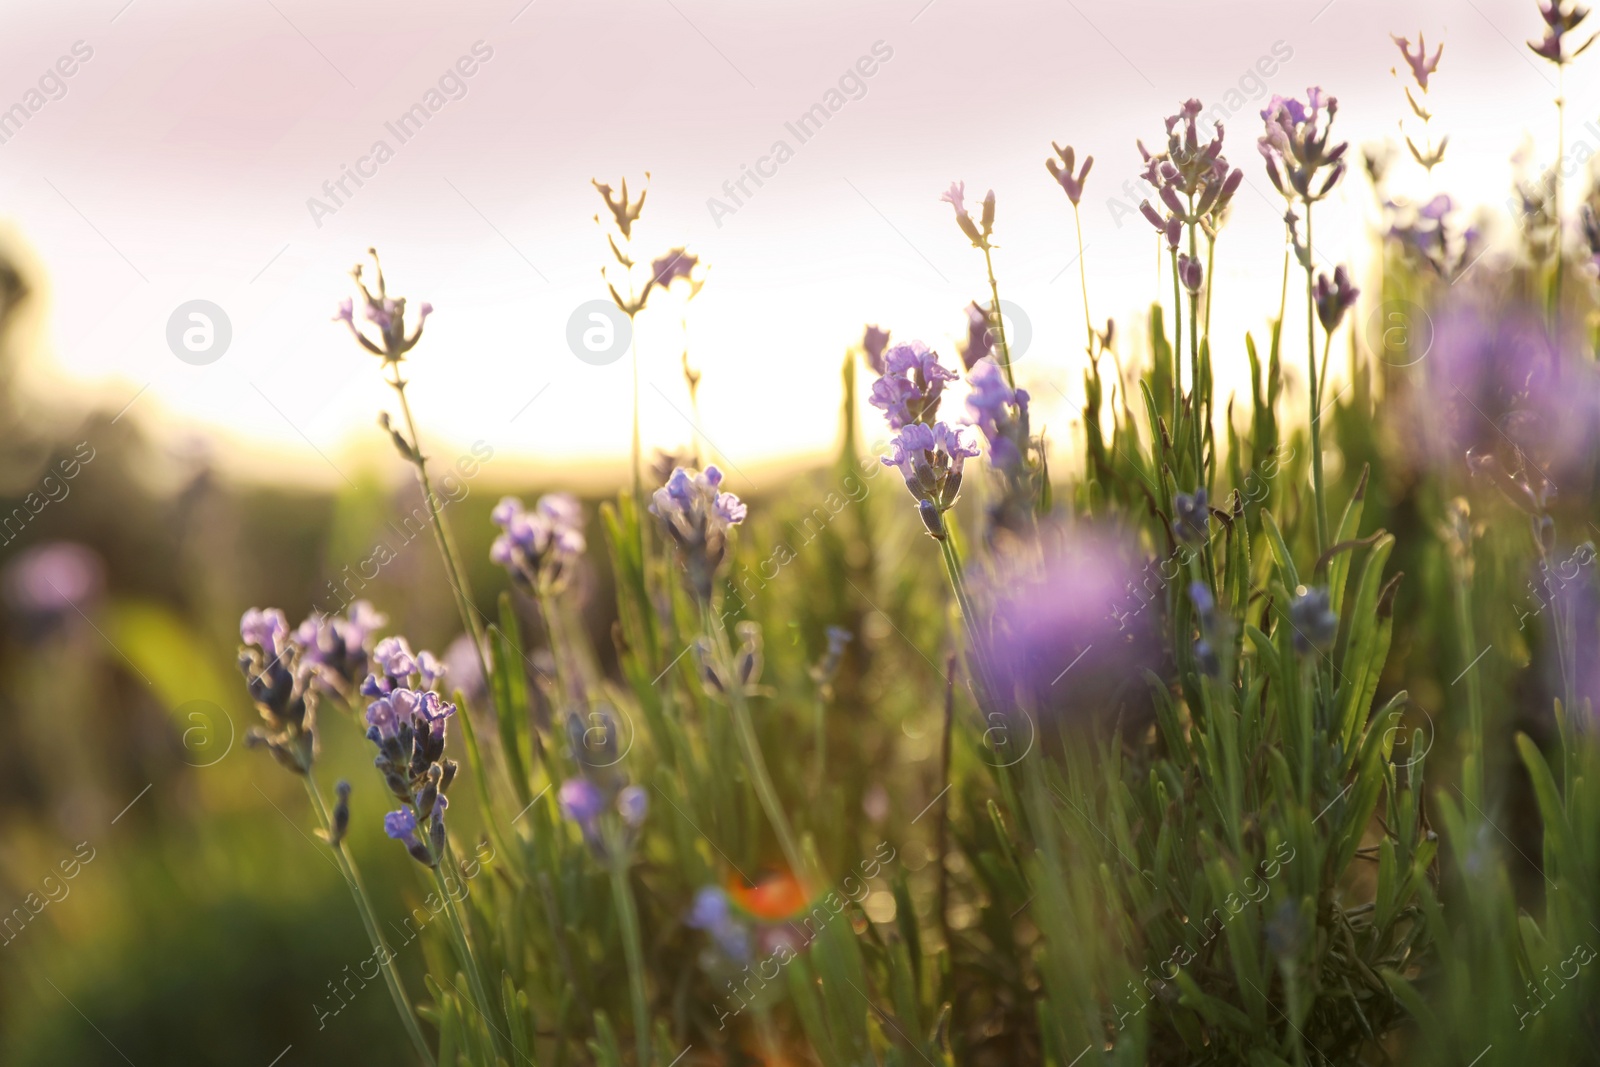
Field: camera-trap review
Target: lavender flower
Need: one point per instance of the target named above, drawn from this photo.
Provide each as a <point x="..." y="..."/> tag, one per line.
<point x="1069" y="636"/>
<point x="1192" y="180"/>
<point x="540" y="548"/>
<point x="1191" y="516"/>
<point x="50" y="583"/>
<point x="911" y="385"/>
<point x="267" y="629"/>
<point x="697" y="515"/>
<point x="676" y="264"/>
<point x="336" y="649"/>
<point x="827" y="668"/>
<point x="388" y="314"/>
<point x="581" y="801"/>
<point x="1062" y="172"/>
<point x="624" y="212"/>
<point x="980" y="336"/>
<point x="1334" y="298"/>
<point x="1190" y="272"/>
<point x="930" y="459"/>
<point x="978" y="233"/>
<point x="1421" y="66"/>
<point x="281" y="688"/>
<point x="873" y="343"/>
<point x="408" y="726"/>
<point x="1561" y="17"/>
<point x="633" y="803"/>
<point x="713" y="913"/>
<point x="1428" y="236"/>
<point x="1295" y="146"/>
<point x="1000" y="413"/>
<point x="1311" y="615"/>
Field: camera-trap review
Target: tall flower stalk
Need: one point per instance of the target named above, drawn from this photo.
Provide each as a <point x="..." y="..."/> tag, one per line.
<point x="981" y="232"/>
<point x="282" y="674"/>
<point x="1560" y="17"/>
<point x="1304" y="168"/>
<point x="1195" y="184"/>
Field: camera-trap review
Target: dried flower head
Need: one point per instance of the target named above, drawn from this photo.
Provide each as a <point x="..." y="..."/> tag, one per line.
<point x="1062" y="172"/>
<point x="387" y="313"/>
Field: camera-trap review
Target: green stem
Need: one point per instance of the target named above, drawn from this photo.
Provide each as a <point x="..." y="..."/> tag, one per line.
<point x="457" y="579"/>
<point x="391" y="973"/>
<point x="628" y="917"/>
<point x="969" y="619"/>
<point x="750" y="746"/>
<point x="469" y="962"/>
<point x="1194" y="363"/>
<point x="1177" y="345"/>
<point x="1316" y="396"/>
<point x="999" y="320"/>
<point x="1083" y="280"/>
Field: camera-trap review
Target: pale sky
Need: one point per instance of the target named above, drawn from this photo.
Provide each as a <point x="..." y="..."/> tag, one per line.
<point x="179" y="162"/>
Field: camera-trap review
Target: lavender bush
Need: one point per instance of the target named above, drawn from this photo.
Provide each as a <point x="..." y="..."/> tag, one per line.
<point x="1175" y="803"/>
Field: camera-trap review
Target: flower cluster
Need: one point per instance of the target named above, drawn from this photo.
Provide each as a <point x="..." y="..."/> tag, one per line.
<point x="334" y="649"/>
<point x="585" y="803"/>
<point x="406" y="720"/>
<point x="1429" y="237"/>
<point x="713" y="913"/>
<point x="911" y="385"/>
<point x="697" y="515"/>
<point x="1561" y="17"/>
<point x="387" y="313"/>
<point x="539" y="548"/>
<point x="930" y="459"/>
<point x="1295" y="146"/>
<point x="977" y="232"/>
<point x="1192" y="180"/>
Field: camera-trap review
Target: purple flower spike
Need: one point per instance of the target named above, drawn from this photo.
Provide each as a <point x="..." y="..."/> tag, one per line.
<point x="697" y="515"/>
<point x="955" y="196"/>
<point x="1000" y="413"/>
<point x="539" y="548"/>
<point x="1062" y="172"/>
<point x="387" y="313"/>
<point x="1421" y="66"/>
<point x="581" y="801"/>
<point x="1295" y="146"/>
<point x="1334" y="298"/>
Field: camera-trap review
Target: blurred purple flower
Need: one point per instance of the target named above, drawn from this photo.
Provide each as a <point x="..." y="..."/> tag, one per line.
<point x="1000" y="413"/>
<point x="697" y="515"/>
<point x="980" y="336"/>
<point x="873" y="343"/>
<point x="539" y="548"/>
<point x="49" y="582"/>
<point x="267" y="630"/>
<point x="676" y="264"/>
<point x="581" y="801"/>
<point x="387" y="313"/>
<point x="1069" y="638"/>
